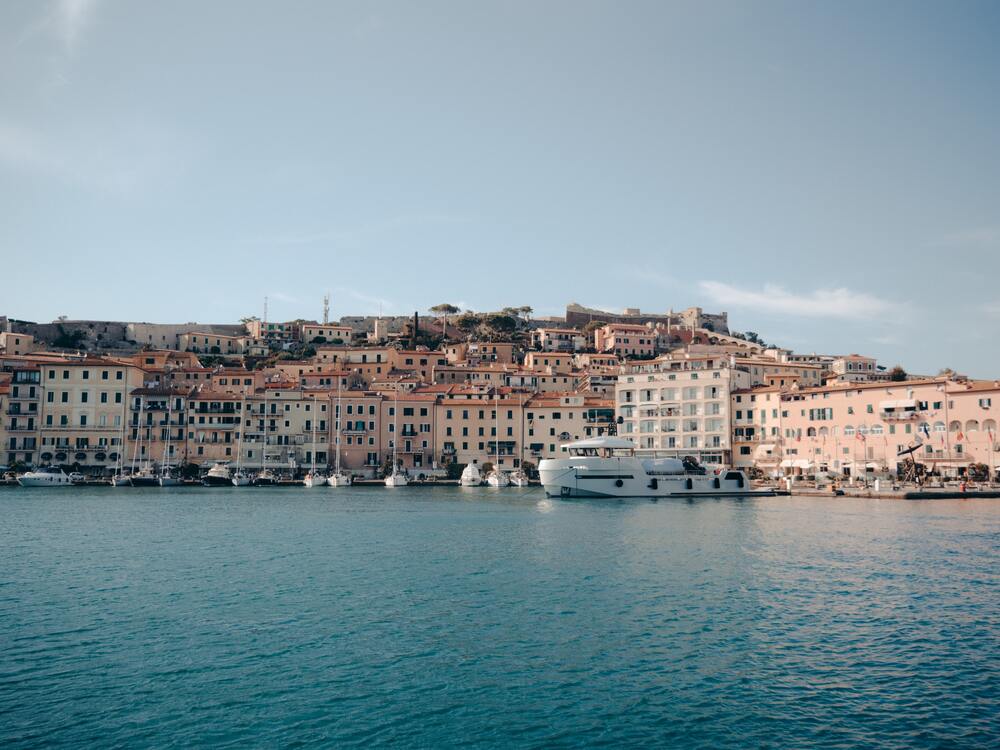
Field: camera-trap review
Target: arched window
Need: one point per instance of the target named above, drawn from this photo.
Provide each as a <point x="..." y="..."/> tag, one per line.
<point x="990" y="426"/>
<point x="954" y="426"/>
<point x="848" y="431"/>
<point x="923" y="428"/>
<point x="862" y="429"/>
<point x="811" y="432"/>
<point x="877" y="429"/>
<point x="939" y="427"/>
<point x="823" y="431"/>
<point x="972" y="425"/>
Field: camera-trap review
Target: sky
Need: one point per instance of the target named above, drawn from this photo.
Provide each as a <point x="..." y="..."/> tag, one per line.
<point x="828" y="173"/>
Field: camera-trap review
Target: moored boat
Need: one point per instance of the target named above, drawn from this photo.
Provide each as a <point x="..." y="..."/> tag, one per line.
<point x="339" y="479"/>
<point x="49" y="476"/>
<point x="519" y="479"/>
<point x="609" y="467"/>
<point x="471" y="476"/>
<point x="218" y="476"/>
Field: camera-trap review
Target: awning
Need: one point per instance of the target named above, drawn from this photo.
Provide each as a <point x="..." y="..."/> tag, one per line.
<point x="796" y="463"/>
<point x="764" y="449"/>
<point x="906" y="403"/>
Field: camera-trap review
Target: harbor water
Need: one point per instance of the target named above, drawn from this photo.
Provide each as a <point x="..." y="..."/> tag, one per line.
<point x="425" y="617"/>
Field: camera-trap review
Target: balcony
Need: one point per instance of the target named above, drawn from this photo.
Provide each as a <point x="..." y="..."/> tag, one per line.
<point x="905" y="415"/>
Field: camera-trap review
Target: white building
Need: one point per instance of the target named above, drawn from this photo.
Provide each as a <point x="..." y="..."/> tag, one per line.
<point x="680" y="408"/>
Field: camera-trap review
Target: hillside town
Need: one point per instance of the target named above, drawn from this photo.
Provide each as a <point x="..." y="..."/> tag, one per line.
<point x="430" y="394"/>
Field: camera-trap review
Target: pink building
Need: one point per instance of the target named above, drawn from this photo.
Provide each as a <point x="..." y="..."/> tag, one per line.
<point x="625" y="340"/>
<point x="857" y="428"/>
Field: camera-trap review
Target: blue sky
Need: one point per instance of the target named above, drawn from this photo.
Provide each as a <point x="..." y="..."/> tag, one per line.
<point x="828" y="173"/>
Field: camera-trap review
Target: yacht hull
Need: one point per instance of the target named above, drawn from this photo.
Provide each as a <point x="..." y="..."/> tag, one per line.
<point x="627" y="477"/>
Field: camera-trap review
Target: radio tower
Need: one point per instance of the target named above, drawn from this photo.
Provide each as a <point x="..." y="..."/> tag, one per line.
<point x="326" y="308"/>
<point x="265" y="310"/>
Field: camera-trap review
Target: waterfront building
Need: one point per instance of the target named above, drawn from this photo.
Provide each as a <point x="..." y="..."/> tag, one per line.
<point x="858" y="428"/>
<point x="680" y="408"/>
<point x="21" y="417"/>
<point x="82" y="411"/>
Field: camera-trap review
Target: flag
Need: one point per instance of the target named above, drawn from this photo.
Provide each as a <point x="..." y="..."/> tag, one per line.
<point x="959" y="437"/>
<point x="926" y="431"/>
<point x="859" y="436"/>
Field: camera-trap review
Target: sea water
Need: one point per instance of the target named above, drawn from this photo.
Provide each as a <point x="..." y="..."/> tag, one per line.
<point x="425" y="617"/>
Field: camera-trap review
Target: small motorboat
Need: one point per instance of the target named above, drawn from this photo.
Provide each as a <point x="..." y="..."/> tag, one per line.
<point x="49" y="476"/>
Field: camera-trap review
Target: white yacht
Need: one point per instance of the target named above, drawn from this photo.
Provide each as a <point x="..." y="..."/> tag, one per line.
<point x="609" y="467"/>
<point x="49" y="476"/>
<point x="497" y="476"/>
<point x="471" y="476"/>
<point x="265" y="478"/>
<point x="218" y="476"/>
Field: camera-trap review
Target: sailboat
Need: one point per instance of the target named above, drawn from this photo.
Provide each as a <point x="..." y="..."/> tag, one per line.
<point x="120" y="479"/>
<point x="167" y="478"/>
<point x="497" y="477"/>
<point x="396" y="478"/>
<point x="519" y="478"/>
<point x="144" y="476"/>
<point x="338" y="478"/>
<point x="239" y="478"/>
<point x="314" y="478"/>
<point x="265" y="477"/>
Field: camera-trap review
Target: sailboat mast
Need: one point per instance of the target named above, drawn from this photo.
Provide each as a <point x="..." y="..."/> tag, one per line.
<point x="395" y="434"/>
<point x="138" y="435"/>
<point x="338" y="417"/>
<point x="239" y="442"/>
<point x="166" y="445"/>
<point x="314" y="436"/>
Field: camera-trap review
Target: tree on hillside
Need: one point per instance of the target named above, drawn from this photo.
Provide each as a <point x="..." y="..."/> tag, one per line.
<point x="588" y="330"/>
<point x="897" y="374"/>
<point x="499" y="325"/>
<point x="468" y="321"/>
<point x="444" y="310"/>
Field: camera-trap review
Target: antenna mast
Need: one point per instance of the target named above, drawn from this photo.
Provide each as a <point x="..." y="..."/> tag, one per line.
<point x="326" y="308"/>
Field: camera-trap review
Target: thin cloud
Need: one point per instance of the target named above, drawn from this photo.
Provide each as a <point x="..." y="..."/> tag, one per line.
<point x="973" y="238"/>
<point x="842" y="303"/>
<point x="992" y="308"/>
<point x="70" y="19"/>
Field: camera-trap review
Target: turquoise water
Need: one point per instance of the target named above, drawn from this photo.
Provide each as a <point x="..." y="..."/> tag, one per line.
<point x="431" y="618"/>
